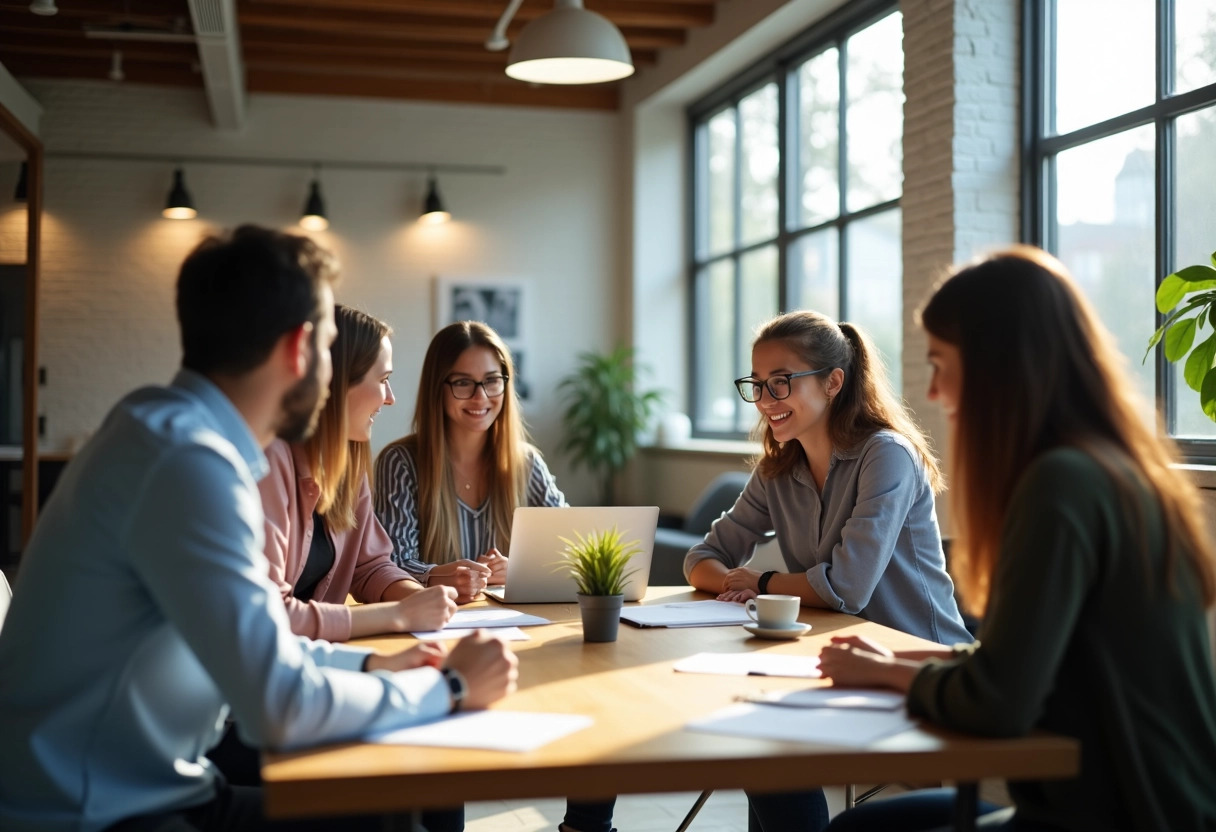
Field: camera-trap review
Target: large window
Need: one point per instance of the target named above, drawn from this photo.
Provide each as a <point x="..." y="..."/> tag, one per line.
<point x="1121" y="110"/>
<point x="798" y="172"/>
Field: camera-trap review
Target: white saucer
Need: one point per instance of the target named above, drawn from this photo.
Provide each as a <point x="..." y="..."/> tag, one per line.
<point x="793" y="631"/>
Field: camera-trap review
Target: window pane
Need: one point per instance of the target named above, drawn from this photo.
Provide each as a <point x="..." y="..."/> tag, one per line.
<point x="1105" y="222"/>
<point x="875" y="288"/>
<point x="715" y="359"/>
<point x="1195" y="41"/>
<point x="1195" y="239"/>
<point x="720" y="183"/>
<point x="1104" y="59"/>
<point x="758" y="119"/>
<point x="818" y="139"/>
<point x="758" y="274"/>
<point x="815" y="272"/>
<point x="874" y="113"/>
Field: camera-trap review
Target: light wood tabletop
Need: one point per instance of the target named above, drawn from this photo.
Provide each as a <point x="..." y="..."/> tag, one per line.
<point x="638" y="743"/>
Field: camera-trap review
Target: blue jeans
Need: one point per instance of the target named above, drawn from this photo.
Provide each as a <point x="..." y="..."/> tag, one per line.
<point x="927" y="810"/>
<point x="805" y="811"/>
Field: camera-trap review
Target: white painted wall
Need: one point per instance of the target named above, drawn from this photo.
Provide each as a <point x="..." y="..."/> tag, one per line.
<point x="110" y="260"/>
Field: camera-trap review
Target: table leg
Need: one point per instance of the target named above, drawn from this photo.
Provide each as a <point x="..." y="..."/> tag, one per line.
<point x="966" y="806"/>
<point x="692" y="813"/>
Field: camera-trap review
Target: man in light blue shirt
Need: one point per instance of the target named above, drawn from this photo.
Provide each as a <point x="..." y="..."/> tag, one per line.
<point x="144" y="615"/>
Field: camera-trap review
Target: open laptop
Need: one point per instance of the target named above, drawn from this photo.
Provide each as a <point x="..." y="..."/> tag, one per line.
<point x="536" y="547"/>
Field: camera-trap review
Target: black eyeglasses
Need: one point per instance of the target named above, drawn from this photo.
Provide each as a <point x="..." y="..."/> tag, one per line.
<point x="466" y="388"/>
<point x="751" y="389"/>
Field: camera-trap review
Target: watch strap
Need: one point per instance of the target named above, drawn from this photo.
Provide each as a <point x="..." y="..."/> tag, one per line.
<point x="458" y="688"/>
<point x="762" y="584"/>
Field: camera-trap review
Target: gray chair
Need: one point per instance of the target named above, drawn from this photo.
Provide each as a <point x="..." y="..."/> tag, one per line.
<point x="671" y="545"/>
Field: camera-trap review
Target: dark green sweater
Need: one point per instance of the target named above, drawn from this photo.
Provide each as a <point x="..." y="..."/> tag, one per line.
<point x="1084" y="636"/>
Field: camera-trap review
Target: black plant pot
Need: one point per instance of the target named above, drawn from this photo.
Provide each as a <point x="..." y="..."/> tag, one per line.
<point x="601" y="616"/>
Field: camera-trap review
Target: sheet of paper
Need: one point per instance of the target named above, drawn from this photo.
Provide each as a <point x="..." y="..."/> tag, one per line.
<point x="687" y="614"/>
<point x="493" y="617"/>
<point x="500" y="633"/>
<point x="491" y="730"/>
<point x="851" y="698"/>
<point x="821" y="726"/>
<point x="751" y="664"/>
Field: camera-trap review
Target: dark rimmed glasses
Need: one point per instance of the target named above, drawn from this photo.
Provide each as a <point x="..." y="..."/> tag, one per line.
<point x="751" y="389"/>
<point x="466" y="388"/>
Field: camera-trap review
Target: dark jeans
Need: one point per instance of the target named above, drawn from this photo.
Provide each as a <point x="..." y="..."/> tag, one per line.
<point x="239" y="809"/>
<point x="590" y="816"/>
<point x="241" y="766"/>
<point x="805" y="811"/>
<point x="928" y="810"/>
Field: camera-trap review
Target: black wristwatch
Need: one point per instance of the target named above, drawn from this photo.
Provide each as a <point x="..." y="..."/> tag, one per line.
<point x="762" y="584"/>
<point x="457" y="687"/>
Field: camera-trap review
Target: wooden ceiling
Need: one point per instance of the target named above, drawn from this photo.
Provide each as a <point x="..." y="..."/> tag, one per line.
<point x="409" y="49"/>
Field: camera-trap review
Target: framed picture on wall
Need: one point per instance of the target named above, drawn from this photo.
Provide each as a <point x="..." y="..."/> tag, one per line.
<point x="500" y="304"/>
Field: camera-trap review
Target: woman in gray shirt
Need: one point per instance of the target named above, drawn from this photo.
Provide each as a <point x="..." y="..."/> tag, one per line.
<point x="846" y="481"/>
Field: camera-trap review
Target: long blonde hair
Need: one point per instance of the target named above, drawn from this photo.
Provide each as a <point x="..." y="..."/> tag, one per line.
<point x="1040" y="372"/>
<point x="865" y="404"/>
<point x="506" y="451"/>
<point x="339" y="465"/>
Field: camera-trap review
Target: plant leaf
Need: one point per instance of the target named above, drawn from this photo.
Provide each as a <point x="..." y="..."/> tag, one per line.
<point x="1179" y="339"/>
<point x="1207" y="395"/>
<point x="1182" y="283"/>
<point x="1199" y="362"/>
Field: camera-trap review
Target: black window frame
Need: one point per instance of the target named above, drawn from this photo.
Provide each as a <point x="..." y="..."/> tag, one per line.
<point x="1040" y="151"/>
<point x="776" y="67"/>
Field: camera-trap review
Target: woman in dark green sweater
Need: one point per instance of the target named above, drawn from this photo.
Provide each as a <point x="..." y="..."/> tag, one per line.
<point x="1084" y="550"/>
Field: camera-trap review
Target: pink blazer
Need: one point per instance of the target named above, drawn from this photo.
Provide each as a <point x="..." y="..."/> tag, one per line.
<point x="363" y="563"/>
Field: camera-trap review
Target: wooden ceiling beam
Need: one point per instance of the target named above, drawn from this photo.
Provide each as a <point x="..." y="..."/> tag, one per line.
<point x="260" y="24"/>
<point x="33" y="66"/>
<point x="652" y="15"/>
<point x="437" y="53"/>
<point x="429" y="89"/>
<point x="130" y="52"/>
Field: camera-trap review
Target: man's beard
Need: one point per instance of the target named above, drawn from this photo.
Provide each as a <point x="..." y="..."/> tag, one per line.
<point x="302" y="405"/>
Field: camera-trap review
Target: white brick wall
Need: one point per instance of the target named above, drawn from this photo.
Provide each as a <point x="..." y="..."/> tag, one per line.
<point x="110" y="261"/>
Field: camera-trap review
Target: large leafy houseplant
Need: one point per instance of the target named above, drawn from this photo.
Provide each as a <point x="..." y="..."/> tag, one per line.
<point x="604" y="413"/>
<point x="1196" y="285"/>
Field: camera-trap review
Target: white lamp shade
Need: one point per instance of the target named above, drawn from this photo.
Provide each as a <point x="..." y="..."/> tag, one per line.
<point x="570" y="45"/>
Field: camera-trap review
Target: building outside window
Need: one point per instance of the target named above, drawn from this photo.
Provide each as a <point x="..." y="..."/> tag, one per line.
<point x="797" y="178"/>
<point x="1120" y="180"/>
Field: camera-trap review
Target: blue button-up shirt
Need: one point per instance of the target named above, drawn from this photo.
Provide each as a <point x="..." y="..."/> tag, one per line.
<point x="144" y="610"/>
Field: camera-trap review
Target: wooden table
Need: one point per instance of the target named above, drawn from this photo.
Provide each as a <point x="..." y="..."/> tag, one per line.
<point x="638" y="743"/>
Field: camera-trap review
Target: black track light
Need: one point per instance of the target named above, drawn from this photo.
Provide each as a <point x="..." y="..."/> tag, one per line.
<point x="179" y="205"/>
<point x="433" y="210"/>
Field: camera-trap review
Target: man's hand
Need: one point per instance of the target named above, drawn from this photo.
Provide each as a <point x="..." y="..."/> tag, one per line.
<point x="488" y="667"/>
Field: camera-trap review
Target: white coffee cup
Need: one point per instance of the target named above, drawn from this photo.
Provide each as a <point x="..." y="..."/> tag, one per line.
<point x="774" y="612"/>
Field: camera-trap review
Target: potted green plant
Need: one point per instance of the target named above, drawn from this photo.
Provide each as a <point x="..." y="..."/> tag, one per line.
<point x="604" y="413"/>
<point x="1197" y="286"/>
<point x="598" y="564"/>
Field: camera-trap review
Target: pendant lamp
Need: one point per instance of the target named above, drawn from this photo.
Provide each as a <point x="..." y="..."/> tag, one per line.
<point x="570" y="45"/>
<point x="179" y="205"/>
<point x="313" y="217"/>
<point x="433" y="210"/>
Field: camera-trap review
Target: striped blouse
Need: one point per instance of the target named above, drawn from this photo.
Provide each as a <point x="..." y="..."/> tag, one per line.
<point x="396" y="504"/>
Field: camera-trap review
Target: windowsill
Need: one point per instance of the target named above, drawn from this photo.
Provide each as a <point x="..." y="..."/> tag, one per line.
<point x="1203" y="476"/>
<point x="734" y="448"/>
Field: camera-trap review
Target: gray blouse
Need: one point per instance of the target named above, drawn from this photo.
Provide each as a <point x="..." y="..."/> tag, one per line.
<point x="396" y="503"/>
<point x="869" y="544"/>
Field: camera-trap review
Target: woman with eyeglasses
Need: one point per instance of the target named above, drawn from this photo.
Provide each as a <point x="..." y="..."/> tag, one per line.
<point x="322" y="538"/>
<point x="846" y="480"/>
<point x="1087" y="551"/>
<point x="447" y="493"/>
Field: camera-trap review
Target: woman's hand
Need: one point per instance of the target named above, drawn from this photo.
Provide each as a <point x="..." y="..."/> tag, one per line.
<point x="741" y="578"/>
<point x="467" y="577"/>
<point x="854" y="661"/>
<point x="738" y="596"/>
<point x="497" y="562"/>
<point x="426" y="610"/>
<point x="420" y="655"/>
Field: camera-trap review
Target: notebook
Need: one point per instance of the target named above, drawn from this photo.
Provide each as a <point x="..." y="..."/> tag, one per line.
<point x="532" y="573"/>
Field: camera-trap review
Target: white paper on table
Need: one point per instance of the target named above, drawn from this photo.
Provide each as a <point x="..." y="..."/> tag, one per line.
<point x="500" y="633"/>
<point x="496" y="617"/>
<point x="850" y="698"/>
<point x="822" y="726"/>
<point x="687" y="614"/>
<point x="491" y="730"/>
<point x="751" y="664"/>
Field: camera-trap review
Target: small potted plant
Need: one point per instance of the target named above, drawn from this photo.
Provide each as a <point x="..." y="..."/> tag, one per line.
<point x="598" y="564"/>
<point x="1197" y="286"/>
